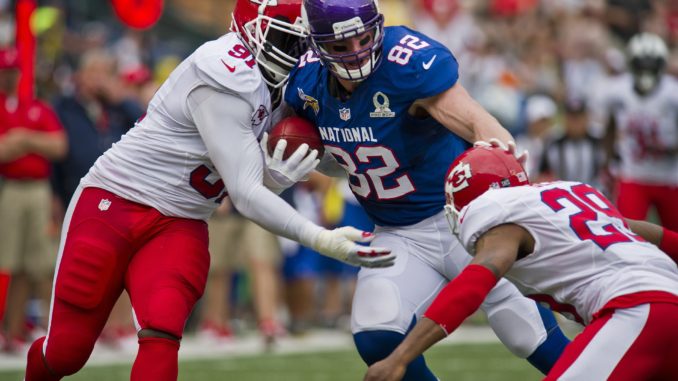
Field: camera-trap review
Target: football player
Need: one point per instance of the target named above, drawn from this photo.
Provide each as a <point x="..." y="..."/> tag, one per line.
<point x="393" y="116"/>
<point x="137" y="221"/>
<point x="642" y="132"/>
<point x="561" y="243"/>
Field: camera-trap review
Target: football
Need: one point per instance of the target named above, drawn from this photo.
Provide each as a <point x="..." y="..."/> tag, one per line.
<point x="296" y="131"/>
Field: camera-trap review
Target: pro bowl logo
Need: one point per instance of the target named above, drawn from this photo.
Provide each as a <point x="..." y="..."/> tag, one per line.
<point x="381" y="106"/>
<point x="308" y="101"/>
<point x="458" y="178"/>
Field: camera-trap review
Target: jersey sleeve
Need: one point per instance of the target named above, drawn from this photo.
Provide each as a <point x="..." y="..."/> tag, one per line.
<point x="218" y="69"/>
<point x="423" y="66"/>
<point x="237" y="157"/>
<point x="477" y="218"/>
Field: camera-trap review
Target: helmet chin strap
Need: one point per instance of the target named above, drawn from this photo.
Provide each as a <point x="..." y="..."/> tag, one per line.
<point x="452" y="217"/>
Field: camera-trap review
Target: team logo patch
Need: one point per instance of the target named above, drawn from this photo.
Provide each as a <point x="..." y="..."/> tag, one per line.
<point x="381" y="106"/>
<point x="458" y="178"/>
<point x="104" y="204"/>
<point x="259" y="115"/>
<point x="344" y="113"/>
<point x="308" y="101"/>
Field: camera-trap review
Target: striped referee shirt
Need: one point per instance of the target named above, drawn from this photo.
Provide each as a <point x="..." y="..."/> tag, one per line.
<point x="571" y="159"/>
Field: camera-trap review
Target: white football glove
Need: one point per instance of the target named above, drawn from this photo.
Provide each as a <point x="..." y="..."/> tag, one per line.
<point x="341" y="244"/>
<point x="282" y="174"/>
<point x="509" y="147"/>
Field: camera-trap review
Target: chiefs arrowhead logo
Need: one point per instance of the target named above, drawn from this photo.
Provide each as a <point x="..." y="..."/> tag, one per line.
<point x="458" y="178"/>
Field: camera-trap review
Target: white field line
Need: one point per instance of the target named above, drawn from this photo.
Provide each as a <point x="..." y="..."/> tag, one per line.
<point x="194" y="348"/>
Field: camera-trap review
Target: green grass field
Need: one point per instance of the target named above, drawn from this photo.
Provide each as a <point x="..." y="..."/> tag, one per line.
<point x="483" y="362"/>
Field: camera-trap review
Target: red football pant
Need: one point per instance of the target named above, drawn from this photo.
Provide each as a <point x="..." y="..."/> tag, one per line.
<point x="626" y="344"/>
<point x="110" y="244"/>
<point x="634" y="201"/>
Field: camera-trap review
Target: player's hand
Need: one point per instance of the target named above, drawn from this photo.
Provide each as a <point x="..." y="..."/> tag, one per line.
<point x="342" y="244"/>
<point x="285" y="173"/>
<point x="385" y="370"/>
<point x="509" y="147"/>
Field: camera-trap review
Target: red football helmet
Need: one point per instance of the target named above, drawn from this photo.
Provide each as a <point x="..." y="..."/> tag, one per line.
<point x="474" y="172"/>
<point x="274" y="32"/>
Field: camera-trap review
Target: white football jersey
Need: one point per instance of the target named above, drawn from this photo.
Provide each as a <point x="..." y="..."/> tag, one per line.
<point x="163" y="162"/>
<point x="645" y="125"/>
<point x="584" y="254"/>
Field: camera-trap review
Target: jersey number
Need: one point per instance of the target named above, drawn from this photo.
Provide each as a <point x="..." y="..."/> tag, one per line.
<point x="308" y="57"/>
<point x="372" y="180"/>
<point x="589" y="202"/>
<point x="199" y="182"/>
<point x="241" y="52"/>
<point x="401" y="53"/>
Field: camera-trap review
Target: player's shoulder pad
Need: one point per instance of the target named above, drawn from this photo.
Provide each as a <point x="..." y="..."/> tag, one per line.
<point x="479" y="216"/>
<point x="308" y="65"/>
<point x="614" y="92"/>
<point x="672" y="87"/>
<point x="300" y="91"/>
<point x="671" y="80"/>
<point x="423" y="66"/>
<point x="226" y="64"/>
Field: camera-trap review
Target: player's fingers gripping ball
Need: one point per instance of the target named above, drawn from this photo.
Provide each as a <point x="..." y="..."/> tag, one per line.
<point x="292" y="132"/>
<point x="509" y="147"/>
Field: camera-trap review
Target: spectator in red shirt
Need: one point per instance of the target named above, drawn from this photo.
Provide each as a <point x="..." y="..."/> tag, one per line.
<point x="30" y="136"/>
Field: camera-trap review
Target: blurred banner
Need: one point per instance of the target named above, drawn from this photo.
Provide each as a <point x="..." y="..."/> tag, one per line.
<point x="25" y="44"/>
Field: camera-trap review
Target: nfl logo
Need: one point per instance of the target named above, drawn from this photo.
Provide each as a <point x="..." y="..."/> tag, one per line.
<point x="345" y="113"/>
<point x="104" y="204"/>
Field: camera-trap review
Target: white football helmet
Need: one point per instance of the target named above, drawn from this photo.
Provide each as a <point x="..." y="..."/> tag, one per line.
<point x="647" y="57"/>
<point x="274" y="32"/>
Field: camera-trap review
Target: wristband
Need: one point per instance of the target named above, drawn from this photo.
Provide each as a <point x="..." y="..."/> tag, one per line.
<point x="461" y="297"/>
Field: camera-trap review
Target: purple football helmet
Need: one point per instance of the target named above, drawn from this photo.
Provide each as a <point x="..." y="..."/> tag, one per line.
<point x="336" y="21"/>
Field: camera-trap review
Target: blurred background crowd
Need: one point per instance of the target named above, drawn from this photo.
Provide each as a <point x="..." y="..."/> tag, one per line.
<point x="540" y="67"/>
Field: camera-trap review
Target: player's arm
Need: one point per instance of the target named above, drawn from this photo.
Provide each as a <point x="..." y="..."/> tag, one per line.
<point x="460" y="113"/>
<point x="496" y="251"/>
<point x="665" y="239"/>
<point x="224" y="123"/>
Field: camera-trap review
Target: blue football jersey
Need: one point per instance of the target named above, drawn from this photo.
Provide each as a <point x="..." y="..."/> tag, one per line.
<point x="396" y="163"/>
